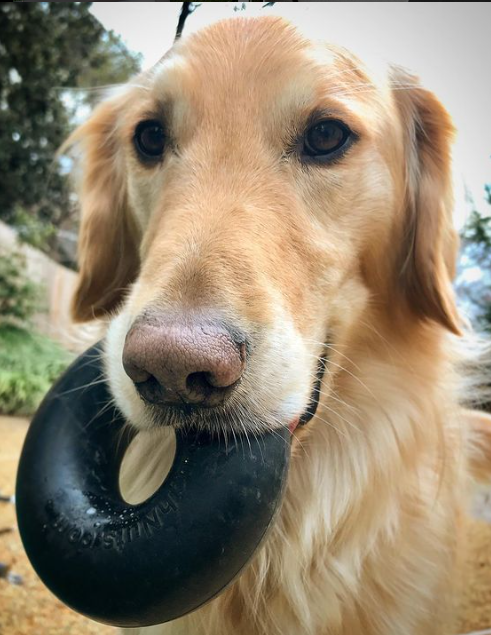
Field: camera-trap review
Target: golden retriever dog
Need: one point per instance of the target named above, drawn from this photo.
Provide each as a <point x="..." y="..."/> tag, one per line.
<point x="267" y="223"/>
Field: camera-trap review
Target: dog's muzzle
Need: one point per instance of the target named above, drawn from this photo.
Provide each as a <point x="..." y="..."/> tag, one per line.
<point x="138" y="565"/>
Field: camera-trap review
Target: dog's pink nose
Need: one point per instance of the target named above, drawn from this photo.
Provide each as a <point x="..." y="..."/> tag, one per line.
<point x="183" y="360"/>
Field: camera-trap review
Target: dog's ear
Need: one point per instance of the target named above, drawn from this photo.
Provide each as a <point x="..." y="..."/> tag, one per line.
<point x="109" y="238"/>
<point x="428" y="258"/>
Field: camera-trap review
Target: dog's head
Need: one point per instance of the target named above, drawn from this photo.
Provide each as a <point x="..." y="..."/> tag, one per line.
<point x="251" y="205"/>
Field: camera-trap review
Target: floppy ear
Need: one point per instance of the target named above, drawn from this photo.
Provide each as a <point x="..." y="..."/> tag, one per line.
<point x="427" y="262"/>
<point x="109" y="238"/>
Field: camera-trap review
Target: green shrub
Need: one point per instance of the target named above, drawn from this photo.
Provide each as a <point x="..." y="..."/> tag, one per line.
<point x="32" y="230"/>
<point x="20" y="298"/>
<point x="29" y="364"/>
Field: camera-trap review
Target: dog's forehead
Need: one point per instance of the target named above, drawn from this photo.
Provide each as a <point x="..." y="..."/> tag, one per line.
<point x="254" y="63"/>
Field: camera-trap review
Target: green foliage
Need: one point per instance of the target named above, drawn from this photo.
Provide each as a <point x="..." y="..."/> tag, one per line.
<point x="46" y="50"/>
<point x="29" y="364"/>
<point x="19" y="297"/>
<point x="33" y="231"/>
<point x="111" y="63"/>
<point x="478" y="229"/>
<point x="475" y="293"/>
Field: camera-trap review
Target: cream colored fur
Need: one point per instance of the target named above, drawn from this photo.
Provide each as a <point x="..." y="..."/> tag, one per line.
<point x="354" y="260"/>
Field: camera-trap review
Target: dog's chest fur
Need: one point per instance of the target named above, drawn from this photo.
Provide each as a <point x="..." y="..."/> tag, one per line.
<point x="365" y="541"/>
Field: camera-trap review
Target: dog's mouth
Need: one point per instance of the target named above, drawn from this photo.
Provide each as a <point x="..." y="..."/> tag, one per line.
<point x="231" y="418"/>
<point x="316" y="391"/>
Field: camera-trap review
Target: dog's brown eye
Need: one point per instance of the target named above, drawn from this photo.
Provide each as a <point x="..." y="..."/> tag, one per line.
<point x="325" y="138"/>
<point x="149" y="139"/>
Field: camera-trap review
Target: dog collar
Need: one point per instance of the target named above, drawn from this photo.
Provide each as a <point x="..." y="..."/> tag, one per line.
<point x="138" y="565"/>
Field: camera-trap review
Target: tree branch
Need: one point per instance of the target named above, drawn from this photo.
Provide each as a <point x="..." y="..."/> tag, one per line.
<point x="186" y="9"/>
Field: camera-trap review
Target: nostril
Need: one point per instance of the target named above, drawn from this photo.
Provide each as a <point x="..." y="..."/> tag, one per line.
<point x="222" y="380"/>
<point x="199" y="383"/>
<point x="135" y="373"/>
<point x="201" y="389"/>
<point x="150" y="389"/>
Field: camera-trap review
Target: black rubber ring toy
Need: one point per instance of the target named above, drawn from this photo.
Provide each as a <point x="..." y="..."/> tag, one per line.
<point x="138" y="565"/>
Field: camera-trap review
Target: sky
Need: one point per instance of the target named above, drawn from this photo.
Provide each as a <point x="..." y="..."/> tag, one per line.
<point x="446" y="43"/>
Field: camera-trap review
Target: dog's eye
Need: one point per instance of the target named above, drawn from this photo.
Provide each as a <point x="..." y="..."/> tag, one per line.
<point x="149" y="139"/>
<point x="325" y="138"/>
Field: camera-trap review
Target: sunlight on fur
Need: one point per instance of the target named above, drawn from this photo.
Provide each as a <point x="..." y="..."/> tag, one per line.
<point x="351" y="259"/>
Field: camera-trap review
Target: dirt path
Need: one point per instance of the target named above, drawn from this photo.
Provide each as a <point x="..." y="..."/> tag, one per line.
<point x="28" y="608"/>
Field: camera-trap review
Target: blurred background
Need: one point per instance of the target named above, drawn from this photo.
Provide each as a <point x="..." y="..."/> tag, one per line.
<point x="56" y="60"/>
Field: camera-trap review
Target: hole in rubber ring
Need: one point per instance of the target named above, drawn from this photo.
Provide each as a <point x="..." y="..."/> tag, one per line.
<point x="146" y="464"/>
